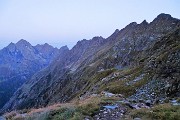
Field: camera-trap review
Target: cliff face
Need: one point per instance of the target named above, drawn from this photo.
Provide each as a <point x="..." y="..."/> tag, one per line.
<point x="97" y="64"/>
<point x="18" y="62"/>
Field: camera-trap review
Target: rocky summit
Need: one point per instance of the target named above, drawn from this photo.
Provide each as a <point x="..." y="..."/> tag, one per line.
<point x="136" y="68"/>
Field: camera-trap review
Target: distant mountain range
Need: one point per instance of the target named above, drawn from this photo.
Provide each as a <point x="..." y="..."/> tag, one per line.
<point x="18" y="62"/>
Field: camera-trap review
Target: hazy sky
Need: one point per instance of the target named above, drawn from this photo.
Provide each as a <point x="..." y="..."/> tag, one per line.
<point x="64" y="22"/>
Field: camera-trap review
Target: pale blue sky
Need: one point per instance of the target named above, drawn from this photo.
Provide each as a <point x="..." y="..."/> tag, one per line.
<point x="64" y="22"/>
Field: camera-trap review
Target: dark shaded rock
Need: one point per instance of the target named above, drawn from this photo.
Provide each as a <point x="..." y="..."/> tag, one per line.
<point x="148" y="103"/>
<point x="129" y="105"/>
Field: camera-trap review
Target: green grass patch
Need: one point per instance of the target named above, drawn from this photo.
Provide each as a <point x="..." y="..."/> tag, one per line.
<point x="87" y="107"/>
<point x="159" y="112"/>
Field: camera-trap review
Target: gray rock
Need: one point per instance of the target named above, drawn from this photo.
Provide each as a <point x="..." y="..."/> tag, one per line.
<point x="148" y="102"/>
<point x="137" y="119"/>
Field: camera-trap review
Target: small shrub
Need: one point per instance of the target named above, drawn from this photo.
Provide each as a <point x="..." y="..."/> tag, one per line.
<point x="88" y="109"/>
<point x="62" y="114"/>
<point x="77" y="116"/>
<point x="10" y="115"/>
<point x="90" y="106"/>
<point x="178" y="100"/>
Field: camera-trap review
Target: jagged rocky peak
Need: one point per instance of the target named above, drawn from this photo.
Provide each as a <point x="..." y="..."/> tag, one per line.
<point x="81" y="41"/>
<point x="46" y="44"/>
<point x="64" y="48"/>
<point x="94" y="38"/>
<point x="11" y="46"/>
<point x="97" y="37"/>
<point x="144" y="22"/>
<point x="132" y="24"/>
<point x="23" y="42"/>
<point x="116" y="31"/>
<point x="163" y="16"/>
<point x="163" y="23"/>
<point x="20" y="45"/>
<point x="45" y="47"/>
<point x="63" y="51"/>
<point x="91" y="41"/>
<point x="129" y="27"/>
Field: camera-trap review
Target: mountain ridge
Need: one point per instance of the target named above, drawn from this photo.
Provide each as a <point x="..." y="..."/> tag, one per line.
<point x="138" y="62"/>
<point x="95" y="55"/>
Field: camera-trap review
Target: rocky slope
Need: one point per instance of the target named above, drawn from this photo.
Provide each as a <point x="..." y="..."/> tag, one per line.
<point x="126" y="62"/>
<point x="18" y="62"/>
